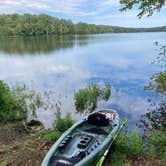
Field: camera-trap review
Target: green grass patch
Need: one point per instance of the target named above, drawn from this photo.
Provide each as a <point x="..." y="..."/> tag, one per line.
<point x="62" y="123"/>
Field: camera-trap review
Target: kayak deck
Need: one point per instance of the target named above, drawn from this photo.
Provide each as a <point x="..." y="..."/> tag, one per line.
<point x="83" y="140"/>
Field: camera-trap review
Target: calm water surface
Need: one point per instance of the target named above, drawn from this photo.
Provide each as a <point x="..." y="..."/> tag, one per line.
<point x="65" y="64"/>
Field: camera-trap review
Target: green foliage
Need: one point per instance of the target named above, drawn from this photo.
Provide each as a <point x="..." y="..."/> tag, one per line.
<point x="42" y="24"/>
<point x="32" y="99"/>
<point x="62" y="124"/>
<point x="30" y="25"/>
<point x="12" y="106"/>
<point x="118" y="159"/>
<point x="155" y="118"/>
<point x="130" y="144"/>
<point x="158" y="83"/>
<point x="21" y="102"/>
<point x="87" y="98"/>
<point x="146" y="7"/>
<point x="156" y="144"/>
<point x="50" y="135"/>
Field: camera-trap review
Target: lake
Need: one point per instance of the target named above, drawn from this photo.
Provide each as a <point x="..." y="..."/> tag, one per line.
<point x="65" y="64"/>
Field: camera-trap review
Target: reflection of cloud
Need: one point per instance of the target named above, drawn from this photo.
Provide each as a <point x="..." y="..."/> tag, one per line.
<point x="128" y="106"/>
<point x="57" y="68"/>
<point x="37" y="67"/>
<point x="117" y="61"/>
<point x="134" y="105"/>
<point x="111" y="57"/>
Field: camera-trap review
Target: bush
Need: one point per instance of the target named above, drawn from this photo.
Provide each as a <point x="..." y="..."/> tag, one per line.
<point x="130" y="144"/>
<point x="118" y="159"/>
<point x="156" y="144"/>
<point x="62" y="124"/>
<point x="87" y="98"/>
<point x="21" y="102"/>
<point x="12" y="107"/>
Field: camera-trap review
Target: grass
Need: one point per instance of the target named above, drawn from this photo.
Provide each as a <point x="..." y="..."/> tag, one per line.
<point x="28" y="149"/>
<point x="127" y="146"/>
<point x="31" y="147"/>
<point x="131" y="150"/>
<point x="156" y="144"/>
<point x="62" y="123"/>
<point x="86" y="99"/>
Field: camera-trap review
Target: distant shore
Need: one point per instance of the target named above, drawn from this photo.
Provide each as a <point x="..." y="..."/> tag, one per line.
<point x="35" y="25"/>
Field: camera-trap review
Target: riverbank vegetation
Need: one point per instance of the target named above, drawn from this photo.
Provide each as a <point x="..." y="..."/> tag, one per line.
<point x="86" y="99"/>
<point x="24" y="143"/>
<point x="22" y="147"/>
<point x="27" y="143"/>
<point x="34" y="25"/>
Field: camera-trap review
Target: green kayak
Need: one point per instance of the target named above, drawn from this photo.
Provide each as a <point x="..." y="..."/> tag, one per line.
<point x="85" y="142"/>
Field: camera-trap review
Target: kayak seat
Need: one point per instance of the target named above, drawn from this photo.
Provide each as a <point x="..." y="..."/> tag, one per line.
<point x="98" y="119"/>
<point x="61" y="160"/>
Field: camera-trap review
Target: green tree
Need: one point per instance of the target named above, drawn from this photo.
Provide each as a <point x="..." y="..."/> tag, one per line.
<point x="145" y="7"/>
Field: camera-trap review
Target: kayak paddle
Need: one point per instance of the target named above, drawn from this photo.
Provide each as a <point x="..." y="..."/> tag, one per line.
<point x="100" y="162"/>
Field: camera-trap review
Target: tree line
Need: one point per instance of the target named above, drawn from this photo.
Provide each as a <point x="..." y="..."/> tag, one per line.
<point x="33" y="25"/>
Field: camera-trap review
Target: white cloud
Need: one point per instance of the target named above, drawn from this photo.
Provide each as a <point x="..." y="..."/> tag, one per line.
<point x="111" y="2"/>
<point x="70" y="7"/>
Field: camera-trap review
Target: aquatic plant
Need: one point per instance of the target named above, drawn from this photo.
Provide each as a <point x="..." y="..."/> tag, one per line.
<point x="62" y="123"/>
<point x="86" y="99"/>
<point x="21" y="102"/>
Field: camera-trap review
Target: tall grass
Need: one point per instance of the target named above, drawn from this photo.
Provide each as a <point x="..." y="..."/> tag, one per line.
<point x="86" y="99"/>
<point x="62" y="123"/>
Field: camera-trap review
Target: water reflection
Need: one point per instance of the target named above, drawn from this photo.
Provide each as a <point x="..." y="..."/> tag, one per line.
<point x="66" y="64"/>
<point x="40" y="44"/>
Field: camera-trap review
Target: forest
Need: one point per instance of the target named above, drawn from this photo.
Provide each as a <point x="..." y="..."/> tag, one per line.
<point x="42" y="24"/>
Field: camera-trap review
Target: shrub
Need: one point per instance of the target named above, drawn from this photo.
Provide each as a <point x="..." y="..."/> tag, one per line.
<point x="87" y="98"/>
<point x="12" y="107"/>
<point x="156" y="144"/>
<point x="118" y="159"/>
<point x="62" y="124"/>
<point x="130" y="144"/>
<point x="21" y="102"/>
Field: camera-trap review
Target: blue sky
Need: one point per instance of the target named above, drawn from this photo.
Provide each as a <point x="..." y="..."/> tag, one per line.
<point x="90" y="11"/>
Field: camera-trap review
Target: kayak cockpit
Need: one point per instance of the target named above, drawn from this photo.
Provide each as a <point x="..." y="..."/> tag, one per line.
<point x="84" y="139"/>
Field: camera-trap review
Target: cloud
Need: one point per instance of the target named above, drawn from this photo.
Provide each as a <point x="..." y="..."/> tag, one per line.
<point x="70" y="7"/>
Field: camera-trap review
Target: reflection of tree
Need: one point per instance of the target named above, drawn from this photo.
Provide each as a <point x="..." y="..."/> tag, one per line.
<point x="156" y="117"/>
<point x="40" y="44"/>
